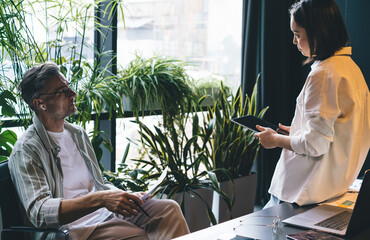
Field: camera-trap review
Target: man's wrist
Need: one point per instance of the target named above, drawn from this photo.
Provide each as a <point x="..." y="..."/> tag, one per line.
<point x="96" y="199"/>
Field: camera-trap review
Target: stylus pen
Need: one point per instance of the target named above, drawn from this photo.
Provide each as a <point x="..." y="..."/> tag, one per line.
<point x="141" y="208"/>
<point x="137" y="204"/>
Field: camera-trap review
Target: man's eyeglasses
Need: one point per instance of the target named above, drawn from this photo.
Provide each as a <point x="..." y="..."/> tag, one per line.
<point x="67" y="91"/>
<point x="275" y="225"/>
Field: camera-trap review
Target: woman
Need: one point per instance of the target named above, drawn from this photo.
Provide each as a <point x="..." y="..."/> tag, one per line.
<point x="329" y="134"/>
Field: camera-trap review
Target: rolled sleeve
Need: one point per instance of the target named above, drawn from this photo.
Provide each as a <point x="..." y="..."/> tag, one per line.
<point x="316" y="140"/>
<point x="297" y="144"/>
<point x="50" y="208"/>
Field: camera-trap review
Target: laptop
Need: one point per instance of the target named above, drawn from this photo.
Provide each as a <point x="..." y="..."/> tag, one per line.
<point x="337" y="220"/>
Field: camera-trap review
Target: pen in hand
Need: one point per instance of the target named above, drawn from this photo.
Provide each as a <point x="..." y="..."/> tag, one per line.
<point x="141" y="208"/>
<point x="137" y="204"/>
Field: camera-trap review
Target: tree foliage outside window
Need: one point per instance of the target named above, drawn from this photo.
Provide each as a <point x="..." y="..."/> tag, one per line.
<point x="61" y="31"/>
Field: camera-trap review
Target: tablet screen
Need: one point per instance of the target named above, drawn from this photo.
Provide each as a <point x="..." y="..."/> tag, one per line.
<point x="250" y="122"/>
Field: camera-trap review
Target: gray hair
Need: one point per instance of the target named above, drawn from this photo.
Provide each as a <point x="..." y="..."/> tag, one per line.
<point x="35" y="79"/>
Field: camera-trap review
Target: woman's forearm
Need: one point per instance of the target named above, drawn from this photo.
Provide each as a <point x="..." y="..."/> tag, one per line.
<point x="283" y="142"/>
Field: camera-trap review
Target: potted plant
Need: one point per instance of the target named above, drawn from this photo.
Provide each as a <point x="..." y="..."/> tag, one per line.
<point x="207" y="88"/>
<point x="234" y="150"/>
<point x="156" y="83"/>
<point x="160" y="83"/>
<point x="128" y="177"/>
<point x="187" y="181"/>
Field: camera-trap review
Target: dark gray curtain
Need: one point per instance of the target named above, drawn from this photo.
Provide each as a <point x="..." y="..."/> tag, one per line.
<point x="268" y="49"/>
<point x="251" y="39"/>
<point x="355" y="13"/>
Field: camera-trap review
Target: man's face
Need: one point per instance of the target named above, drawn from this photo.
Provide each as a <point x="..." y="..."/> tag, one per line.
<point x="58" y="99"/>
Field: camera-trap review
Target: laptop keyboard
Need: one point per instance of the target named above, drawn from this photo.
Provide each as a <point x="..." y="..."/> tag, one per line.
<point x="338" y="222"/>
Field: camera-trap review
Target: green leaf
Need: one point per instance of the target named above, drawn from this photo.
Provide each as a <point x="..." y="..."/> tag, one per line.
<point x="125" y="153"/>
<point x="7" y="141"/>
<point x="7" y="103"/>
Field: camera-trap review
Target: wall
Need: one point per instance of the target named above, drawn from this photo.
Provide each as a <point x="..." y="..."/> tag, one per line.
<point x="356" y="16"/>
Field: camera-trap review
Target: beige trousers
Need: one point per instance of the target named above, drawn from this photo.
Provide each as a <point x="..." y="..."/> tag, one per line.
<point x="166" y="222"/>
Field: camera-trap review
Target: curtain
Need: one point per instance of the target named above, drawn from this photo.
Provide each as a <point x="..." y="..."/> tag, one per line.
<point x="251" y="49"/>
<point x="355" y="12"/>
<point x="268" y="49"/>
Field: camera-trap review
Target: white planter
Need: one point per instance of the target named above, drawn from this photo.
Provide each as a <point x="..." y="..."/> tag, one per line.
<point x="245" y="194"/>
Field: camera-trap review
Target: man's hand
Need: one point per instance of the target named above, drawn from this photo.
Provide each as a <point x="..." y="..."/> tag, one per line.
<point x="116" y="201"/>
<point x="121" y="202"/>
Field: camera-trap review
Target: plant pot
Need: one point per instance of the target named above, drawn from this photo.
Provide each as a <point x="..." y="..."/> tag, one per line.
<point x="245" y="193"/>
<point x="195" y="209"/>
<point x="127" y="105"/>
<point x="211" y="93"/>
<point x="209" y="99"/>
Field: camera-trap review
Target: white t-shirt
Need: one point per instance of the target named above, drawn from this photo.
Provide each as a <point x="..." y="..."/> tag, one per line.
<point x="77" y="180"/>
<point x="329" y="133"/>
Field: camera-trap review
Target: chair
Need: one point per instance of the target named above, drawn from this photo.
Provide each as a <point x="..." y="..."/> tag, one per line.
<point x="12" y="213"/>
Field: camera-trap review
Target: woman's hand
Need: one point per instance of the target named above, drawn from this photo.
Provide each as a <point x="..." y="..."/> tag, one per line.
<point x="267" y="137"/>
<point x="271" y="139"/>
<point x="285" y="128"/>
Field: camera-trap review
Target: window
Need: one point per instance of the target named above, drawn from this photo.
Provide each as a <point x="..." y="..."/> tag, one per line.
<point x="206" y="33"/>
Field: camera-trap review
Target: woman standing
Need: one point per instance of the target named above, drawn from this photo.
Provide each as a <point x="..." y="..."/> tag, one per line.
<point x="330" y="132"/>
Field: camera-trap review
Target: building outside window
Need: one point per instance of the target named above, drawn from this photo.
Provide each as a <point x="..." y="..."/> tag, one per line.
<point x="206" y="33"/>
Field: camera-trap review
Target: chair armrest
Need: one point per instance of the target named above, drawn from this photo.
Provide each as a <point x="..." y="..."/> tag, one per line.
<point x="34" y="233"/>
<point x="33" y="229"/>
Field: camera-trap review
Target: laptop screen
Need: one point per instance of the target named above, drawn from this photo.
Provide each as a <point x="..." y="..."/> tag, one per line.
<point x="361" y="213"/>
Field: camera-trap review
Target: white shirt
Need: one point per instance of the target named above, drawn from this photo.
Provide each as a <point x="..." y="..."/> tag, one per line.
<point x="77" y="181"/>
<point x="330" y="133"/>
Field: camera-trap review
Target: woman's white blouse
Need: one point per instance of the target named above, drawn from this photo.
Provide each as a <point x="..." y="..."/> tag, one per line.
<point x="330" y="133"/>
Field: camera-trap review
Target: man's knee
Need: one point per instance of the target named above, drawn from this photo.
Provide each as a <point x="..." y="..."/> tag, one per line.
<point x="171" y="204"/>
<point x="169" y="222"/>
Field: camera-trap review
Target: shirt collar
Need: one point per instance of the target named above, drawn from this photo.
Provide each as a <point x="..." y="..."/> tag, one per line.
<point x="41" y="131"/>
<point x="344" y="51"/>
<point x="46" y="140"/>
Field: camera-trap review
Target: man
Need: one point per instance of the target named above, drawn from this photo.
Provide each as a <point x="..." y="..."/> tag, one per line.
<point x="56" y="174"/>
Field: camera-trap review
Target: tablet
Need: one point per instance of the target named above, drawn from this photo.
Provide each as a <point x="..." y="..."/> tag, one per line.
<point x="250" y="122"/>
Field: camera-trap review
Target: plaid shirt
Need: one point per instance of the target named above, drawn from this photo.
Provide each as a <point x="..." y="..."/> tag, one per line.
<point x="37" y="174"/>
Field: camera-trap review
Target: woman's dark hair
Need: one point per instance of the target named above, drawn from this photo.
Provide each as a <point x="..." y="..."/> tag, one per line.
<point x="326" y="31"/>
<point x="35" y="79"/>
